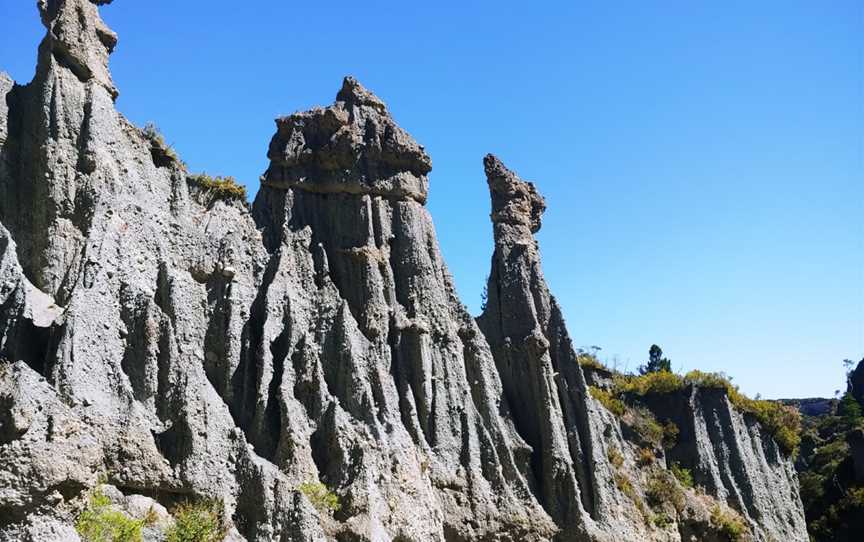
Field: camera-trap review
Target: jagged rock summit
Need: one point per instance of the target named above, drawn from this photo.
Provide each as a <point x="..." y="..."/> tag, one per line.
<point x="352" y="147"/>
<point x="163" y="344"/>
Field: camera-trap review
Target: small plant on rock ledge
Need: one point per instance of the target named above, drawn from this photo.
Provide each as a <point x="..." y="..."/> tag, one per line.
<point x="729" y="523"/>
<point x="615" y="458"/>
<point x="163" y="154"/>
<point x="663" y="489"/>
<point x="100" y="522"/>
<point x="198" y="522"/>
<point x="607" y="399"/>
<point x="225" y="188"/>
<point x="645" y="457"/>
<point x="684" y="476"/>
<point x="324" y="500"/>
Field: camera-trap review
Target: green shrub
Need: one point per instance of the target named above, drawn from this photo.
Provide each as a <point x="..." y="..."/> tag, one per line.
<point x="661" y="521"/>
<point x="645" y="424"/>
<point x="708" y="380"/>
<point x="587" y="359"/>
<point x="828" y="457"/>
<point x="670" y="434"/>
<point x="730" y="524"/>
<point x="607" y="399"/>
<point x="855" y="498"/>
<point x="163" y="154"/>
<point x="625" y="486"/>
<point x="198" y="522"/>
<point x="662" y="489"/>
<point x="850" y="410"/>
<point x="614" y="456"/>
<point x="645" y="457"/>
<point x="220" y="187"/>
<point x="99" y="522"/>
<point x="324" y="500"/>
<point x="654" y="382"/>
<point x="684" y="476"/>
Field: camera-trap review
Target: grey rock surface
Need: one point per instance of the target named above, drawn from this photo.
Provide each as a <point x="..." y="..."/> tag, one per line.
<point x="735" y="460"/>
<point x="165" y="345"/>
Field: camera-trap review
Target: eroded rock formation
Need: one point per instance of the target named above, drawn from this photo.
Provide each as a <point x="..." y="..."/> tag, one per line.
<point x="179" y="346"/>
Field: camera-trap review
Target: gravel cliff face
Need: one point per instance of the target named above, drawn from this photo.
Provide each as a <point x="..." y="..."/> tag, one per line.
<point x="175" y="345"/>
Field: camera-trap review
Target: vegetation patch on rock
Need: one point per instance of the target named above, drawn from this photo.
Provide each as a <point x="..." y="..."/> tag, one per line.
<point x="198" y="522"/>
<point x="163" y="154"/>
<point x="782" y="422"/>
<point x="322" y="498"/>
<point x="102" y="522"/>
<point x="223" y="188"/>
<point x="729" y="524"/>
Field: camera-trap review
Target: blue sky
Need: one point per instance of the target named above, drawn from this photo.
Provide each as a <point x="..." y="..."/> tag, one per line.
<point x="702" y="161"/>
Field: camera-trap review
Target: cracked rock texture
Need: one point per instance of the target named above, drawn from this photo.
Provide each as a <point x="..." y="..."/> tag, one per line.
<point x="179" y="346"/>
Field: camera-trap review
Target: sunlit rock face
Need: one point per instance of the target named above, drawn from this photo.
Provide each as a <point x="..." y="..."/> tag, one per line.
<point x="169" y="345"/>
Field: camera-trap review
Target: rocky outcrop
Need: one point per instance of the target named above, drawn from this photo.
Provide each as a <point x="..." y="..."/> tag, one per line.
<point x="729" y="454"/>
<point x="366" y="349"/>
<point x="734" y="459"/>
<point x="542" y="383"/>
<point x="174" y="346"/>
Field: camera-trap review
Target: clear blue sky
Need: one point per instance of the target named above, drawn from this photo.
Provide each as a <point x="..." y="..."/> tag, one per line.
<point x="702" y="161"/>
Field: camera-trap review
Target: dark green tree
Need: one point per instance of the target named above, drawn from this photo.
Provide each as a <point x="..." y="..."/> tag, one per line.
<point x="656" y="361"/>
<point x="850" y="410"/>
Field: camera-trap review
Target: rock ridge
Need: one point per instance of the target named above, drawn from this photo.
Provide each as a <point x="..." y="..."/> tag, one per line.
<point x="167" y="346"/>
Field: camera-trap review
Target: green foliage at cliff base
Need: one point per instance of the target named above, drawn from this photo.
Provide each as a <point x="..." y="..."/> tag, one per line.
<point x="100" y="522"/>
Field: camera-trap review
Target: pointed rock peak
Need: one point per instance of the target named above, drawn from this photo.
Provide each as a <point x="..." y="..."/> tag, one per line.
<point x="353" y="93"/>
<point x="77" y="39"/>
<point x="514" y="202"/>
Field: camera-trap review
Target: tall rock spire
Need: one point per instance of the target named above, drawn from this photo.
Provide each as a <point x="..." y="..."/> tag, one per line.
<point x="541" y="380"/>
<point x="78" y="39"/>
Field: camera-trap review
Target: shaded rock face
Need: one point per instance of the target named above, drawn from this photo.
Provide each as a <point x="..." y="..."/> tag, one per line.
<point x="184" y="347"/>
<point x="735" y="460"/>
<point x="856" y="382"/>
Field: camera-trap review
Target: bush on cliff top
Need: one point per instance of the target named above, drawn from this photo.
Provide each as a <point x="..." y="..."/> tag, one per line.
<point x="163" y="154"/>
<point x="649" y="383"/>
<point x="226" y="188"/>
<point x="590" y="360"/>
<point x="782" y="422"/>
